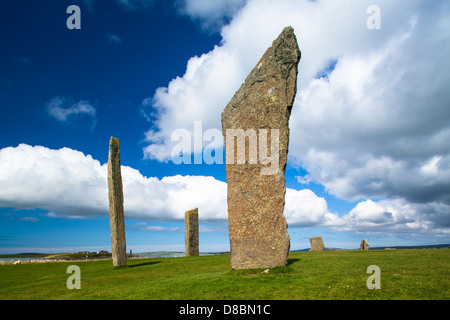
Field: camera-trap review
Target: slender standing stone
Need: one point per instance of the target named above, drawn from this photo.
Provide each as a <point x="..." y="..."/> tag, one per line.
<point x="260" y="111"/>
<point x="191" y="232"/>
<point x="316" y="244"/>
<point x="116" y="215"/>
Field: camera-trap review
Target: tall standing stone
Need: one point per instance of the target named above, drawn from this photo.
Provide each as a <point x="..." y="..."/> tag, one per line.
<point x="316" y="244"/>
<point x="191" y="232"/>
<point x="260" y="110"/>
<point x="116" y="214"/>
<point x="364" y="245"/>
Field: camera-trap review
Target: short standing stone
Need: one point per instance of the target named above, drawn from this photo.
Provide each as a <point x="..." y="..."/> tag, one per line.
<point x="116" y="214"/>
<point x="364" y="245"/>
<point x="316" y="244"/>
<point x="260" y="109"/>
<point x="191" y="232"/>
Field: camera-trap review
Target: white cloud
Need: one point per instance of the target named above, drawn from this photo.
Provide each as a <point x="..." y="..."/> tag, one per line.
<point x="369" y="212"/>
<point x="124" y="4"/>
<point x="63" y="109"/>
<point x="397" y="217"/>
<point x="68" y="183"/>
<point x="161" y="229"/>
<point x="61" y="181"/>
<point x="375" y="126"/>
<point x="31" y="219"/>
<point x="304" y="208"/>
<point x="306" y="179"/>
<point x="192" y="98"/>
<point x="65" y="216"/>
<point x="371" y="134"/>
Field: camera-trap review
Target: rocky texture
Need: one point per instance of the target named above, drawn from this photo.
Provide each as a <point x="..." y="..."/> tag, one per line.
<point x="364" y="245"/>
<point x="316" y="244"/>
<point x="116" y="214"/>
<point x="191" y="232"/>
<point x="257" y="226"/>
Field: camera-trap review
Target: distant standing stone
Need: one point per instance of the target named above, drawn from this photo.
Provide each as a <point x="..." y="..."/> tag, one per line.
<point x="191" y="232"/>
<point x="316" y="244"/>
<point x="116" y="214"/>
<point x="256" y="191"/>
<point x="364" y="245"/>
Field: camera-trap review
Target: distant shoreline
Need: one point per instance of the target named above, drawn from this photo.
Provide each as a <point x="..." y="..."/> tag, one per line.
<point x="25" y="258"/>
<point x="67" y="257"/>
<point x="430" y="246"/>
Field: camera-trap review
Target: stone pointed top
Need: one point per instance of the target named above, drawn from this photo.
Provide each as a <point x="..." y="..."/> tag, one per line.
<point x="287" y="36"/>
<point x="287" y="30"/>
<point x="280" y="61"/>
<point x="285" y="51"/>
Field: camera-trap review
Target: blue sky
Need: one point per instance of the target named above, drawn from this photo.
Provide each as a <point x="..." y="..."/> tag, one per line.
<point x="369" y="153"/>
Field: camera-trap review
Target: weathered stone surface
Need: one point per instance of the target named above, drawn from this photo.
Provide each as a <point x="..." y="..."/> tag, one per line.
<point x="256" y="190"/>
<point x="316" y="244"/>
<point x="191" y="232"/>
<point x="116" y="214"/>
<point x="364" y="245"/>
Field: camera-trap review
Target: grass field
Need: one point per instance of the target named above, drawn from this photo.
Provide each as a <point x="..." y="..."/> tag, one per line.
<point x="405" y="274"/>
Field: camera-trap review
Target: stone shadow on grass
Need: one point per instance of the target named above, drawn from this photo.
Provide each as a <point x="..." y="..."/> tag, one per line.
<point x="143" y="264"/>
<point x="292" y="260"/>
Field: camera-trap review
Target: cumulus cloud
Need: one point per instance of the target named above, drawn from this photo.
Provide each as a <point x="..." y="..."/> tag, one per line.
<point x="63" y="109"/>
<point x="381" y="131"/>
<point x="397" y="217"/>
<point x="303" y="208"/>
<point x="61" y="181"/>
<point x="69" y="184"/>
<point x="371" y="114"/>
<point x="191" y="98"/>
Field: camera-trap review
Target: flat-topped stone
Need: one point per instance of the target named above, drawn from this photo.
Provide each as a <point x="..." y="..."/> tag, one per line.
<point x="191" y="232"/>
<point x="316" y="244"/>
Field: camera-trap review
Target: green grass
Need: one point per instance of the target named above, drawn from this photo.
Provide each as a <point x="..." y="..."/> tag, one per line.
<point x="405" y="274"/>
